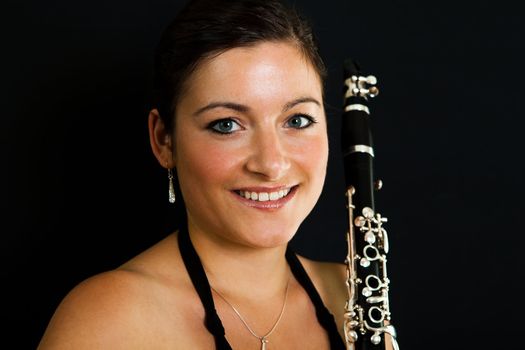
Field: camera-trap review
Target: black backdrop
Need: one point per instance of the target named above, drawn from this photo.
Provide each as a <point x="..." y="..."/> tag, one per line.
<point x="77" y="177"/>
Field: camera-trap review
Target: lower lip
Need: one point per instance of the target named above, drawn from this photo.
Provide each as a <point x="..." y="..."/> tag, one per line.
<point x="267" y="205"/>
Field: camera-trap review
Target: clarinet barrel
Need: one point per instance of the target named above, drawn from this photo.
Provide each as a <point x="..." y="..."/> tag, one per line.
<point x="367" y="312"/>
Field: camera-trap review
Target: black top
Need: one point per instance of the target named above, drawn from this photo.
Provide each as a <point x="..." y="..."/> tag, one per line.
<point x="212" y="320"/>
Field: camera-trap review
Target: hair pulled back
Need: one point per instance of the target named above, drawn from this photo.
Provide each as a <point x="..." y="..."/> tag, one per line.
<point x="206" y="28"/>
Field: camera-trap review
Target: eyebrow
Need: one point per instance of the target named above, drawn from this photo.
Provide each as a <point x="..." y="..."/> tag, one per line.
<point x="299" y="100"/>
<point x="243" y="108"/>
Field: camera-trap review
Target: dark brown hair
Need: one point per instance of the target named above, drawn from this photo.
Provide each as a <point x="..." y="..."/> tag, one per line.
<point x="205" y="28"/>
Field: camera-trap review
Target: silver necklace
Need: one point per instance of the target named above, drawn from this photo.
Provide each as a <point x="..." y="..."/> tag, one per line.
<point x="264" y="338"/>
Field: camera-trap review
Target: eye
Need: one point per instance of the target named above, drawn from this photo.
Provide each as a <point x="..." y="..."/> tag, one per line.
<point x="224" y="126"/>
<point x="300" y="121"/>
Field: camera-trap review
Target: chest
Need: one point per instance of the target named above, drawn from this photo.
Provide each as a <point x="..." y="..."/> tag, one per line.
<point x="297" y="327"/>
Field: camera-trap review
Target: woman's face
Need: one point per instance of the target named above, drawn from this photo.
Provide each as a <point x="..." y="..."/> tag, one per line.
<point x="251" y="144"/>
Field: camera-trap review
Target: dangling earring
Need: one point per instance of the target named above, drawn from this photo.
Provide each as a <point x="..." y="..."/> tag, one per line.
<point x="171" y="191"/>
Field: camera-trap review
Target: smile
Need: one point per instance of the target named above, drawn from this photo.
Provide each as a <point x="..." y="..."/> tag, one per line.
<point x="264" y="196"/>
<point x="271" y="200"/>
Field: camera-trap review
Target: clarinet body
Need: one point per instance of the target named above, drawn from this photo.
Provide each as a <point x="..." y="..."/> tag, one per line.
<point x="367" y="313"/>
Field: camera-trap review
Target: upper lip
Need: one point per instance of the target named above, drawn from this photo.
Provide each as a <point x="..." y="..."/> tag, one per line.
<point x="264" y="189"/>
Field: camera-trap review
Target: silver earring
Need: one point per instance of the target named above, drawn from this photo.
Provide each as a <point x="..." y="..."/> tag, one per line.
<point x="171" y="191"/>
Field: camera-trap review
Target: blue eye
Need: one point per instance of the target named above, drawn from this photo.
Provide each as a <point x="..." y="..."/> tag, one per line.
<point x="224" y="126"/>
<point x="300" y="121"/>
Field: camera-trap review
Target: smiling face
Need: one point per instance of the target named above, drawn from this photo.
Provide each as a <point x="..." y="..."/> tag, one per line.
<point x="251" y="144"/>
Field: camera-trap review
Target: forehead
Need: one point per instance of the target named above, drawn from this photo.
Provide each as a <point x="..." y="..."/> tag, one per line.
<point x="264" y="73"/>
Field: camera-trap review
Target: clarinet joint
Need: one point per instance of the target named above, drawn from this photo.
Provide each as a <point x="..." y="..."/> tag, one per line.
<point x="374" y="287"/>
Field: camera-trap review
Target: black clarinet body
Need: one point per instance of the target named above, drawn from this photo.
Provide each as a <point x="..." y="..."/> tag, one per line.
<point x="367" y="312"/>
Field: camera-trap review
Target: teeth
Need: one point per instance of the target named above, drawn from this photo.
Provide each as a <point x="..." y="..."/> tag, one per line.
<point x="264" y="196"/>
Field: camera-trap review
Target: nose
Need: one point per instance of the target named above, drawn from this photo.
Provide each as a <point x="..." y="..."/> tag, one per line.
<point x="268" y="156"/>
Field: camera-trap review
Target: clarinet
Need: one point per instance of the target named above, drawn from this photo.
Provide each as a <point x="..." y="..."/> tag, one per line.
<point x="367" y="313"/>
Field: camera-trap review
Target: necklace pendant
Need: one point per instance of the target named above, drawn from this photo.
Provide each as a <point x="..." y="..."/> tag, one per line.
<point x="263" y="343"/>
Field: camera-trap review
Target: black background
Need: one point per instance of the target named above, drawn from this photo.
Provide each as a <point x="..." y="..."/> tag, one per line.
<point x="81" y="191"/>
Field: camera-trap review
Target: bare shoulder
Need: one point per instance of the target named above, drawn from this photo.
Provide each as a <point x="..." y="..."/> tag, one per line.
<point x="127" y="308"/>
<point x="100" y="311"/>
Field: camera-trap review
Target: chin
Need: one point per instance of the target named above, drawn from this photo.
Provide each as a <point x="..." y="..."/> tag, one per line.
<point x="270" y="238"/>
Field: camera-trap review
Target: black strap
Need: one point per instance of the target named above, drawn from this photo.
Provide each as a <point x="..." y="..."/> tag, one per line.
<point x="213" y="322"/>
<point x="325" y="318"/>
<point x="202" y="286"/>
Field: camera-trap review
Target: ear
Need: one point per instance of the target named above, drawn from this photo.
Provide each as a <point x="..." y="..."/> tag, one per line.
<point x="160" y="140"/>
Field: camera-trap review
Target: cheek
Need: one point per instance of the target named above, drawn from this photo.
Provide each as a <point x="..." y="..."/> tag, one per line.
<point x="201" y="162"/>
<point x="313" y="156"/>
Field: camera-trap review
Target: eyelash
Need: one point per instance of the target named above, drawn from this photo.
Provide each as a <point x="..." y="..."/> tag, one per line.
<point x="310" y="119"/>
<point x="211" y="126"/>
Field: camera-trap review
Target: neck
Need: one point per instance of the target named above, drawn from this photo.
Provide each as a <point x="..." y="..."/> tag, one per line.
<point x="233" y="268"/>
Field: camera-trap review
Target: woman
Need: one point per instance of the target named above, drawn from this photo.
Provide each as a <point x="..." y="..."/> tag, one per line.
<point x="239" y="120"/>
